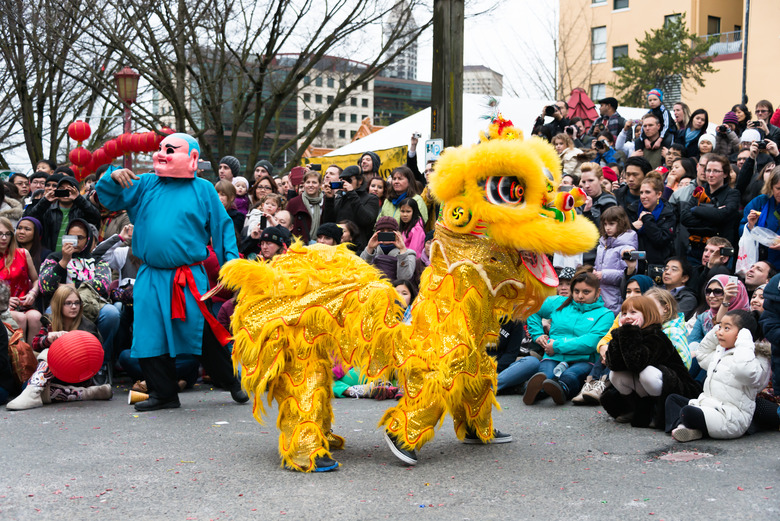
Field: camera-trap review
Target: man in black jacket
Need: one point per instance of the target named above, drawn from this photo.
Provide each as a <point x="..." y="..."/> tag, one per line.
<point x="352" y="203"/>
<point x="56" y="213"/>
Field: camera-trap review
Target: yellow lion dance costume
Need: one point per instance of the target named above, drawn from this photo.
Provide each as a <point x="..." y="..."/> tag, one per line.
<point x="500" y="214"/>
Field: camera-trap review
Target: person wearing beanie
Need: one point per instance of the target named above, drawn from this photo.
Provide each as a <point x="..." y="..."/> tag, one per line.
<point x="369" y="163"/>
<point x="706" y="144"/>
<point x="263" y="167"/>
<point x="391" y="257"/>
<point x="655" y="100"/>
<point x="330" y="234"/>
<point x="229" y="167"/>
<point x="353" y="202"/>
<point x="56" y="213"/>
<point x="726" y="138"/>
<point x="241" y="202"/>
<point x="274" y="240"/>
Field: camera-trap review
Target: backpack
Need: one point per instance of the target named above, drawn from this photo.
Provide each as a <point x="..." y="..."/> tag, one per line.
<point x="91" y="300"/>
<point x="21" y="355"/>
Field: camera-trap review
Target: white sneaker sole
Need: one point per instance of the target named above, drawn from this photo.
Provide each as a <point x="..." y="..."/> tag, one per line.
<point x="684" y="434"/>
<point x="397" y="453"/>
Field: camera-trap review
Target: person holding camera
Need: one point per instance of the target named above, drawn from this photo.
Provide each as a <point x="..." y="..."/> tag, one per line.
<point x="712" y="210"/>
<point x="386" y="250"/>
<point x="764" y="154"/>
<point x="726" y="138"/>
<point x="558" y="125"/>
<point x="608" y="119"/>
<point x="63" y="203"/>
<point x="605" y="153"/>
<point x="764" y="111"/>
<point x="354" y="203"/>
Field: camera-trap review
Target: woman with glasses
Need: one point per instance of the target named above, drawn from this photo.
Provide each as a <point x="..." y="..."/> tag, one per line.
<point x="43" y="387"/>
<point x="17" y="268"/>
<point x="74" y="264"/>
<point x="263" y="186"/>
<point x="712" y="210"/>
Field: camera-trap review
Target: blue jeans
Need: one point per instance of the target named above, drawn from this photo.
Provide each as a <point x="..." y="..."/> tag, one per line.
<point x="571" y="379"/>
<point x="598" y="370"/>
<point x="518" y="373"/>
<point x="108" y="325"/>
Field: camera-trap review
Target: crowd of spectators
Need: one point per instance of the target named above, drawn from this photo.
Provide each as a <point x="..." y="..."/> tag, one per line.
<point x="677" y="204"/>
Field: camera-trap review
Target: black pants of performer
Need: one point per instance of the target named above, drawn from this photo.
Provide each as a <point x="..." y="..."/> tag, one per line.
<point x="678" y="412"/>
<point x="160" y="371"/>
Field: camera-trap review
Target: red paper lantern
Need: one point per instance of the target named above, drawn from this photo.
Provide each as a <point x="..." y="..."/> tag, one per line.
<point x="124" y="143"/>
<point x="79" y="131"/>
<point x="82" y="173"/>
<point x="80" y="156"/>
<point x="135" y="143"/>
<point x="167" y="131"/>
<point x="112" y="148"/>
<point x="149" y="142"/>
<point x="75" y="356"/>
<point x="100" y="157"/>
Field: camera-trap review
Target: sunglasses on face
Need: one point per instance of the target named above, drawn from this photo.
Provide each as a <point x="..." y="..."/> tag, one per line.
<point x="718" y="292"/>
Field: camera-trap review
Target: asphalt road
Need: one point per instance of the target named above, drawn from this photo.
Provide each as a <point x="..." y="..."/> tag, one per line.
<point x="212" y="460"/>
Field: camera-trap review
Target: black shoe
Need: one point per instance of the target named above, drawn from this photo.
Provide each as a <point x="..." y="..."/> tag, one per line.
<point x="407" y="456"/>
<point x="155" y="404"/>
<point x="471" y="438"/>
<point x="533" y="387"/>
<point x="103" y="376"/>
<point x="325" y="464"/>
<point x="554" y="389"/>
<point x="238" y="394"/>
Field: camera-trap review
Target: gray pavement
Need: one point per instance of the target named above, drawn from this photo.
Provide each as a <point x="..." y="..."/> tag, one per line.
<point x="212" y="460"/>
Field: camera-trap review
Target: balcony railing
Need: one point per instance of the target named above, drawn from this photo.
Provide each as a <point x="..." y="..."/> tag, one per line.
<point x="724" y="43"/>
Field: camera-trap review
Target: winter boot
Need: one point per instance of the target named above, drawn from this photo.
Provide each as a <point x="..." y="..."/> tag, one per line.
<point x="587" y="387"/>
<point x="31" y="396"/>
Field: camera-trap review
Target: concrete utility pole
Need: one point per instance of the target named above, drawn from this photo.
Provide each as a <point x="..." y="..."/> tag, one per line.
<point x="447" y="84"/>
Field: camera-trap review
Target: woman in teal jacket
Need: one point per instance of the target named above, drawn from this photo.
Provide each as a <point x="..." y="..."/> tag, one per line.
<point x="578" y="322"/>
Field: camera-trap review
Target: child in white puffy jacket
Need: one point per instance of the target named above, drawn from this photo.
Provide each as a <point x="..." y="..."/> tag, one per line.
<point x="737" y="369"/>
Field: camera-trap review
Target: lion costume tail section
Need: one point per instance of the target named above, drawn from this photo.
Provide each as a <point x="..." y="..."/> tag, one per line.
<point x="292" y="315"/>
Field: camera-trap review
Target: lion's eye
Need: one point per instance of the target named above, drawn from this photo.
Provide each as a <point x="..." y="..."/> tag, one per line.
<point x="505" y="190"/>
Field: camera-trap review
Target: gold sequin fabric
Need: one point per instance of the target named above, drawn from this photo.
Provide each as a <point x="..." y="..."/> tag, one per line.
<point x="470" y="284"/>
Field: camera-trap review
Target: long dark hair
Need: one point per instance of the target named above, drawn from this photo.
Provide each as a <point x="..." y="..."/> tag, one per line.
<point x="35" y="245"/>
<point x="583" y="274"/>
<point x="411" y="189"/>
<point x="695" y="113"/>
<point x="253" y="190"/>
<point x="416" y="216"/>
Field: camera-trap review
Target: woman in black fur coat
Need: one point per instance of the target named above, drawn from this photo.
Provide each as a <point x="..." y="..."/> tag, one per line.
<point x="645" y="367"/>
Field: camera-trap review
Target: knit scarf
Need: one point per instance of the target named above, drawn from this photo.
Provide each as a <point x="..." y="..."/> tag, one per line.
<point x="313" y="205"/>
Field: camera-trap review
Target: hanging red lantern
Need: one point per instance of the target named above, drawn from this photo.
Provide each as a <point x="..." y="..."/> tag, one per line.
<point x="149" y="142"/>
<point x="80" y="156"/>
<point x="112" y="148"/>
<point x="100" y="157"/>
<point x="167" y="131"/>
<point x="75" y="356"/>
<point x="135" y="143"/>
<point x="79" y="131"/>
<point x="124" y="143"/>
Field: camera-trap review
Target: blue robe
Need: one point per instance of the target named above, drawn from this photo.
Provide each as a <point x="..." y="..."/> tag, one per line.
<point x="173" y="221"/>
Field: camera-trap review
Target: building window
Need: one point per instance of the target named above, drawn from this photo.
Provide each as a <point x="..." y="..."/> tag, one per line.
<point x="620" y="4"/>
<point x="598" y="46"/>
<point x="331" y="82"/>
<point x="342" y="134"/>
<point x="363" y="116"/>
<point x="329" y="133"/>
<point x="318" y="81"/>
<point x="598" y="91"/>
<point x="353" y="102"/>
<point x="306" y="80"/>
<point x="618" y="51"/>
<point x="713" y="25"/>
<point x="342" y="117"/>
<point x="342" y="83"/>
<point x="306" y="114"/>
<point x="352" y="134"/>
<point x="671" y="19"/>
<point x="364" y="102"/>
<point x="365" y="86"/>
<point x="307" y="97"/>
<point x="330" y="100"/>
<point x="595" y="2"/>
<point x="353" y="118"/>
<point x="318" y="98"/>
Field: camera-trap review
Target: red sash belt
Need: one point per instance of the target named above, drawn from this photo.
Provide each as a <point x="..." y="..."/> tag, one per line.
<point x="184" y="277"/>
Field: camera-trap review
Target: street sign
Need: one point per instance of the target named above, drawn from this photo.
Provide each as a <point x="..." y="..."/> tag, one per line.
<point x="433" y="149"/>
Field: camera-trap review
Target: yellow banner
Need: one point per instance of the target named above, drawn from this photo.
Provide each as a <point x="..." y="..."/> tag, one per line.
<point x="391" y="158"/>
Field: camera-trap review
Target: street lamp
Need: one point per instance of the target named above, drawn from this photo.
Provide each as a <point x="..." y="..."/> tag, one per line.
<point x="127" y="85"/>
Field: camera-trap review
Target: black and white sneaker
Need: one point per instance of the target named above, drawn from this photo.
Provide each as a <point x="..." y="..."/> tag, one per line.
<point x="471" y="438"/>
<point x="407" y="456"/>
